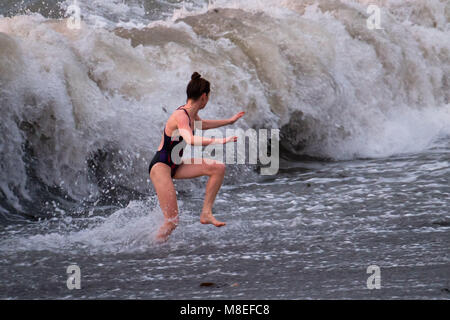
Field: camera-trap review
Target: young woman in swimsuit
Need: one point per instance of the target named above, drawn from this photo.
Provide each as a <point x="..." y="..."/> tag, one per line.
<point x="163" y="167"/>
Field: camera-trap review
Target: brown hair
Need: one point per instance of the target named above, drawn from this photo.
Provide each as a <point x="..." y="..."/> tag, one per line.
<point x="197" y="86"/>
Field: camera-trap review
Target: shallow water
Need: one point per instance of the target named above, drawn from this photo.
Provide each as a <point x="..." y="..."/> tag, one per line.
<point x="308" y="233"/>
<point x="83" y="111"/>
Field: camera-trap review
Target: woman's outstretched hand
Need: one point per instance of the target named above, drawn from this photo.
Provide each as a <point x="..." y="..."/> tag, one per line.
<point x="230" y="139"/>
<point x="237" y="116"/>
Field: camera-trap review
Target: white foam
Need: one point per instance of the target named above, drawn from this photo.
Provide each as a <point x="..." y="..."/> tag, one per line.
<point x="355" y="92"/>
<point x="132" y="228"/>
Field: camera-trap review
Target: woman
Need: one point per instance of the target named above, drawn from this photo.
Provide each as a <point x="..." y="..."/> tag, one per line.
<point x="162" y="168"/>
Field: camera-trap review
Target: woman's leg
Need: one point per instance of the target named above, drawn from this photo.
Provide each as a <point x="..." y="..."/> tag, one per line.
<point x="216" y="172"/>
<point x="162" y="181"/>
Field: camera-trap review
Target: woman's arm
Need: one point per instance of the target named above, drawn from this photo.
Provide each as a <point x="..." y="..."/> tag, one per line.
<point x="185" y="131"/>
<point x="211" y="124"/>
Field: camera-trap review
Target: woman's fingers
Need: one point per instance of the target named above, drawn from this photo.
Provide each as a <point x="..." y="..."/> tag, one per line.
<point x="231" y="139"/>
<point x="238" y="116"/>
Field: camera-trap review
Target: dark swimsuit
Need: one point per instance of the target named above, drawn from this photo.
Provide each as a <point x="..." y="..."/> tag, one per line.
<point x="164" y="155"/>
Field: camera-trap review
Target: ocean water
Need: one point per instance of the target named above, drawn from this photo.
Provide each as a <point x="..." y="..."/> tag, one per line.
<point x="364" y="119"/>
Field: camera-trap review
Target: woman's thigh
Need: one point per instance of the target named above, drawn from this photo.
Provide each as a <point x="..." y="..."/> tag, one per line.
<point x="196" y="167"/>
<point x="162" y="181"/>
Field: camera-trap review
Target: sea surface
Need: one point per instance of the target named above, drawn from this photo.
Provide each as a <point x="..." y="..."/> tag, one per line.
<point x="364" y="177"/>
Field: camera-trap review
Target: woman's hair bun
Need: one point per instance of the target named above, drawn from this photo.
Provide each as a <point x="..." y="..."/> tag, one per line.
<point x="195" y="76"/>
<point x="197" y="86"/>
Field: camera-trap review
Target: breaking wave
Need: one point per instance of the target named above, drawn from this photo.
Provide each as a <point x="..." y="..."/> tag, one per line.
<point x="83" y="110"/>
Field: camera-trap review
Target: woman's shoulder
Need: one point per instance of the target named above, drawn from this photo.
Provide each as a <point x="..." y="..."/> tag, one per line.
<point x="175" y="111"/>
<point x="178" y="114"/>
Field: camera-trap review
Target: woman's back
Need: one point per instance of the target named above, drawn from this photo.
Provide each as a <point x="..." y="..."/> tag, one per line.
<point x="170" y="128"/>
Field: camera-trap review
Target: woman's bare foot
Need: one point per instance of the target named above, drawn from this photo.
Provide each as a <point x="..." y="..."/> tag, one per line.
<point x="161" y="239"/>
<point x="166" y="229"/>
<point x="208" y="218"/>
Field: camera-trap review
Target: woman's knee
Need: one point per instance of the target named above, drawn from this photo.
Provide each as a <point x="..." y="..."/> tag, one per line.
<point x="220" y="167"/>
<point x="217" y="167"/>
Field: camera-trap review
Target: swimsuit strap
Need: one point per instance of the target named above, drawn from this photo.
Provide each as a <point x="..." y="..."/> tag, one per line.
<point x="180" y="108"/>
